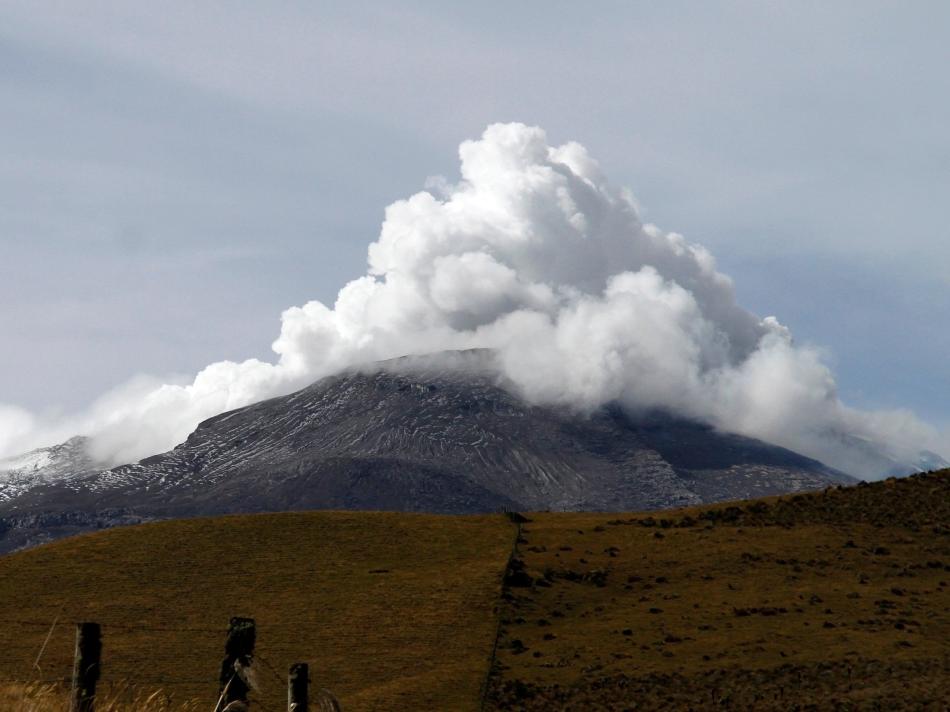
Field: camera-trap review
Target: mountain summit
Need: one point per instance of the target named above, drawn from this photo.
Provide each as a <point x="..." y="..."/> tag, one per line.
<point x="434" y="434"/>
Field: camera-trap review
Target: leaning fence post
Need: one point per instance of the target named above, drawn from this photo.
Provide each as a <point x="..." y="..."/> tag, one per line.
<point x="238" y="651"/>
<point x="86" y="667"/>
<point x="298" y="684"/>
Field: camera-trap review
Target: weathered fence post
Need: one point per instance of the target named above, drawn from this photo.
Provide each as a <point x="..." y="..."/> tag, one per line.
<point x="86" y="667"/>
<point x="298" y="688"/>
<point x="238" y="652"/>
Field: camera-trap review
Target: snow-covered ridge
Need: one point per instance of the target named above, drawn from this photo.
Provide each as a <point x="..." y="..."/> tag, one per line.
<point x="22" y="473"/>
<point x="28" y="462"/>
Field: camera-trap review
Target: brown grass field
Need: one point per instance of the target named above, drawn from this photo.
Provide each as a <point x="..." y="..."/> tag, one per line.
<point x="838" y="600"/>
<point x="391" y="611"/>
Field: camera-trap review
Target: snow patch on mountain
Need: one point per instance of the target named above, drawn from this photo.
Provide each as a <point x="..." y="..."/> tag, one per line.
<point x="21" y="473"/>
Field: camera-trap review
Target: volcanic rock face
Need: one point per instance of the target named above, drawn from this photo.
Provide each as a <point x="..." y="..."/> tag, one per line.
<point x="412" y="435"/>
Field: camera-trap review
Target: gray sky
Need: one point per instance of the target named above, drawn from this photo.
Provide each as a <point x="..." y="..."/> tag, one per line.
<point x="174" y="175"/>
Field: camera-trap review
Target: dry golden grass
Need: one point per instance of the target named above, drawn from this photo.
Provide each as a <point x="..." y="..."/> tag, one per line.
<point x="391" y="610"/>
<point x="837" y="600"/>
<point x="46" y="697"/>
<point x="847" y="609"/>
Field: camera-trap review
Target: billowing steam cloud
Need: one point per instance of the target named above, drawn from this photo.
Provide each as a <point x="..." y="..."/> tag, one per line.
<point x="535" y="255"/>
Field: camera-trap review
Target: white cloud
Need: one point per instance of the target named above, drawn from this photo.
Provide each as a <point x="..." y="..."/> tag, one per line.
<point x="532" y="253"/>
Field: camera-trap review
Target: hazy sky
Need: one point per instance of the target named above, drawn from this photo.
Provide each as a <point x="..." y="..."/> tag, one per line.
<point x="174" y="175"/>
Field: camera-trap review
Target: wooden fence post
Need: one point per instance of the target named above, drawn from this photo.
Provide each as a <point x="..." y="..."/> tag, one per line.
<point x="238" y="652"/>
<point x="86" y="667"/>
<point x="298" y="688"/>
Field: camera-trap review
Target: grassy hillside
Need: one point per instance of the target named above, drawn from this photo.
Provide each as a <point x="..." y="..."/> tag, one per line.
<point x="834" y="600"/>
<point x="838" y="599"/>
<point x="391" y="611"/>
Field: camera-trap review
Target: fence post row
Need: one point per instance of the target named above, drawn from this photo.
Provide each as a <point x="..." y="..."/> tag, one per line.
<point x="86" y="667"/>
<point x="233" y="683"/>
<point x="238" y="651"/>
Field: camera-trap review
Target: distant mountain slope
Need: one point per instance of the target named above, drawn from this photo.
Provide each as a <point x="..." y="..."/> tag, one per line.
<point x="43" y="466"/>
<point x="413" y="435"/>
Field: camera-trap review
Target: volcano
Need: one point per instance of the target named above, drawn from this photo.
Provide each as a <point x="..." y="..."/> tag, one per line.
<point x="422" y="434"/>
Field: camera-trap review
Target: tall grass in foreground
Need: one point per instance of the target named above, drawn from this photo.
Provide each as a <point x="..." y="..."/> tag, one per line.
<point x="44" y="697"/>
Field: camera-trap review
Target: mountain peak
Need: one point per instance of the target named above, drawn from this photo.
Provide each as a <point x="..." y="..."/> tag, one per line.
<point x="430" y="433"/>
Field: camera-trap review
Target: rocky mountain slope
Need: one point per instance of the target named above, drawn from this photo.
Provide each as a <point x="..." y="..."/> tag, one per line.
<point x="43" y="466"/>
<point x="414" y="435"/>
